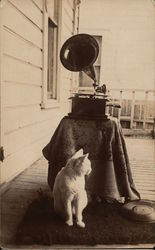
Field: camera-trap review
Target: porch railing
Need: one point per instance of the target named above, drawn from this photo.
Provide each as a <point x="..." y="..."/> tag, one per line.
<point x="137" y="107"/>
<point x="137" y="110"/>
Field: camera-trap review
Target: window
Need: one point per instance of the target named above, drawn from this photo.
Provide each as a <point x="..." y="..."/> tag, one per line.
<point x="50" y="53"/>
<point x="52" y="61"/>
<point x="86" y="81"/>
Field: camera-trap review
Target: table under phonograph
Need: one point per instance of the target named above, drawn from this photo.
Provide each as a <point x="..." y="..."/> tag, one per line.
<point x="103" y="139"/>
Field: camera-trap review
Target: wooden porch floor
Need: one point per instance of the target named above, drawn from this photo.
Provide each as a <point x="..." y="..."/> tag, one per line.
<point x="23" y="189"/>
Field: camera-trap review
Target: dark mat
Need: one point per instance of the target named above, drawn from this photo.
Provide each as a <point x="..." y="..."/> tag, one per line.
<point x="104" y="225"/>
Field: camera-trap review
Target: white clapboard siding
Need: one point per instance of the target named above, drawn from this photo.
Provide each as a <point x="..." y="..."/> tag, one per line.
<point x="67" y="18"/>
<point x="39" y="3"/>
<point x="19" y="117"/>
<point x="17" y="162"/>
<point x="65" y="108"/>
<point x="21" y="72"/>
<point x="66" y="73"/>
<point x="17" y="141"/>
<point x="68" y="15"/>
<point x="27" y="127"/>
<point x="65" y="94"/>
<point x="20" y="24"/>
<point x="68" y="27"/>
<point x="20" y="94"/>
<point x="30" y="10"/>
<point x="26" y="115"/>
<point x="67" y="31"/>
<point x="70" y="4"/>
<point x="68" y="85"/>
<point x="26" y="136"/>
<point x="22" y="49"/>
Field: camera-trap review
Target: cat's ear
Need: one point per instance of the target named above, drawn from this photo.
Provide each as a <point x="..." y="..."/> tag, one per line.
<point x="83" y="157"/>
<point x="86" y="155"/>
<point x="78" y="154"/>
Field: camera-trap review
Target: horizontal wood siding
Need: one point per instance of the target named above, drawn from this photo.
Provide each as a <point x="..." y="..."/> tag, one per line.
<point x="67" y="31"/>
<point x="29" y="10"/>
<point x="22" y="49"/>
<point x="17" y="22"/>
<point x="27" y="128"/>
<point x="18" y="161"/>
<point x="21" y="72"/>
<point x="22" y="81"/>
<point x="38" y="3"/>
<point x="18" y="94"/>
<point x="26" y="136"/>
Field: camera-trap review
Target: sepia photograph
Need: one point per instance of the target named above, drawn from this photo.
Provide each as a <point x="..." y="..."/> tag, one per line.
<point x="77" y="124"/>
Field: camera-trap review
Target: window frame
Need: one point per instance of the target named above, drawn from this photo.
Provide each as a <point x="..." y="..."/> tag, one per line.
<point x="52" y="54"/>
<point x="46" y="102"/>
<point x="99" y="64"/>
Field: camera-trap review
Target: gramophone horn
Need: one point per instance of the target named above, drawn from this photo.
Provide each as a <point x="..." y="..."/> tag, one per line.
<point x="79" y="53"/>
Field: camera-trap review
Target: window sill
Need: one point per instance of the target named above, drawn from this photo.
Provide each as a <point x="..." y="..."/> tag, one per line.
<point x="50" y="104"/>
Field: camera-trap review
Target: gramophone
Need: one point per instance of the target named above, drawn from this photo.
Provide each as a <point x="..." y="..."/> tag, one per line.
<point x="77" y="54"/>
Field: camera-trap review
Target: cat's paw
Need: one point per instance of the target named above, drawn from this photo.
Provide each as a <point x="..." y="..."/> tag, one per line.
<point x="80" y="224"/>
<point x="69" y="222"/>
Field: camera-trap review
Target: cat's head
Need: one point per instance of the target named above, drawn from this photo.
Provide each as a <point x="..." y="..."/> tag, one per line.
<point x="80" y="162"/>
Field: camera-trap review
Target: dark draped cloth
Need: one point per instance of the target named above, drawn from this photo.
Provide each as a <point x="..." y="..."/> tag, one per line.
<point x="103" y="139"/>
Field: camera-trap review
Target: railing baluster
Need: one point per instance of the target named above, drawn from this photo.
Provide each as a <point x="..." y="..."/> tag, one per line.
<point x="145" y="110"/>
<point x="120" y="102"/>
<point x="132" y="109"/>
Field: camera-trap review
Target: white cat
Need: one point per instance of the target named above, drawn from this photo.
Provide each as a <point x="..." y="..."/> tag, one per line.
<point x="69" y="188"/>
